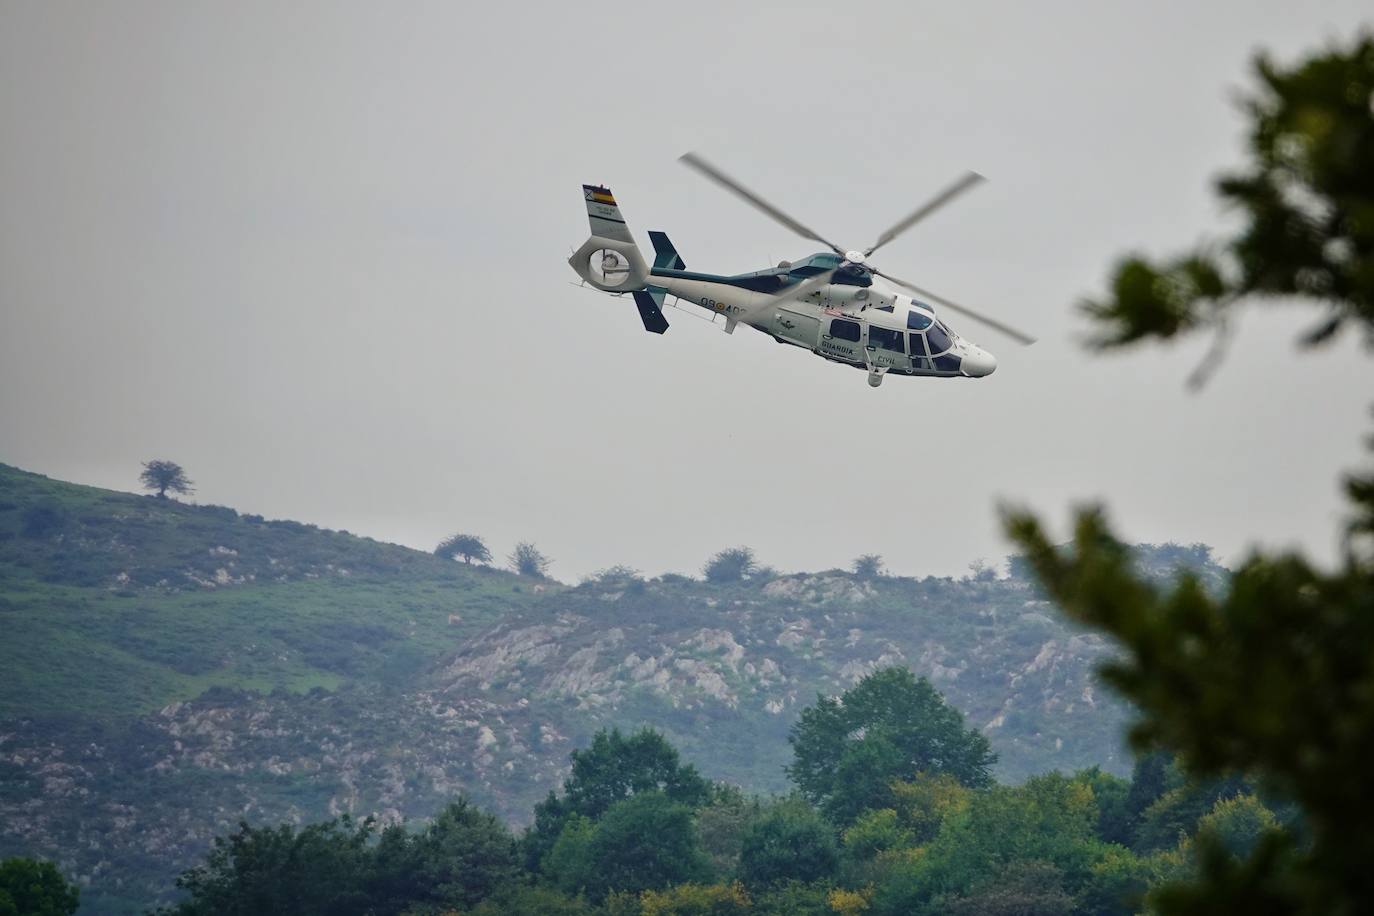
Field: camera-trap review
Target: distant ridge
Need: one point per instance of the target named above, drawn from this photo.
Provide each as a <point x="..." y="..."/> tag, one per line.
<point x="171" y="668"/>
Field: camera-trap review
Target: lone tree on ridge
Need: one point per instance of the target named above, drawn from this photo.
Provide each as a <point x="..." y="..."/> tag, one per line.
<point x="733" y="564"/>
<point x="467" y="546"/>
<point x="162" y="476"/>
<point x="868" y="566"/>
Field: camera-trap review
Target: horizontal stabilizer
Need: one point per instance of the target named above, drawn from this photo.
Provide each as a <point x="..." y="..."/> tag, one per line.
<point x="665" y="255"/>
<point x="650" y="305"/>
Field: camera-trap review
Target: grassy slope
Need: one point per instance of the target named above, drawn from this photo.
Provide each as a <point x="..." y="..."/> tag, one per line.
<point x="306" y="608"/>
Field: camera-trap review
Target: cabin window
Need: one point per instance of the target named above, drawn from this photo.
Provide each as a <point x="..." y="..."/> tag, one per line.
<point x="939" y="339"/>
<point x="918" y="345"/>
<point x="888" y="340"/>
<point x="916" y="321"/>
<point x="845" y="330"/>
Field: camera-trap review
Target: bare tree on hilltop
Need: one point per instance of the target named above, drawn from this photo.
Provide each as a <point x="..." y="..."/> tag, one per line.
<point x="162" y="476"/>
<point x="467" y="546"/>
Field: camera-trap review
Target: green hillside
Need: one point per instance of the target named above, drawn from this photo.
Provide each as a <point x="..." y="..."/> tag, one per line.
<point x="171" y="669"/>
<point x="115" y="605"/>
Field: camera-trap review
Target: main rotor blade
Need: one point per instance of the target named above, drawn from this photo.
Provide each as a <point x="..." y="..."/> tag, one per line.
<point x="800" y="291"/>
<point x="692" y="160"/>
<point x="968" y="180"/>
<point x="1018" y="336"/>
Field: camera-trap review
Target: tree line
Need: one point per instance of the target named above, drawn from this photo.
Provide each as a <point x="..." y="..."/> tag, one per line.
<point x="725" y="567"/>
<point x="730" y="565"/>
<point x="894" y="811"/>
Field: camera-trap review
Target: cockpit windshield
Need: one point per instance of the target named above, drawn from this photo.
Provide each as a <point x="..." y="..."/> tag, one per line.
<point x="939" y="339"/>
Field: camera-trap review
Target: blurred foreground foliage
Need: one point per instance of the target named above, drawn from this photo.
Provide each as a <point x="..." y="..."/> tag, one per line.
<point x="1306" y="202"/>
<point x="1269" y="681"/>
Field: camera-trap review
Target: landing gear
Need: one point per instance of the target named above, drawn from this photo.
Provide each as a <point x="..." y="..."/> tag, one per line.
<point x="875" y="375"/>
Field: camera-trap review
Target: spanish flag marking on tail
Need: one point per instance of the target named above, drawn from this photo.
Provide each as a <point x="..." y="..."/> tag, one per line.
<point x="599" y="195"/>
<point x="606" y="221"/>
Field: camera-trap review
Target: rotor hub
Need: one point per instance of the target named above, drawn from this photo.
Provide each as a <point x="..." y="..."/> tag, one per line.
<point x="854" y="257"/>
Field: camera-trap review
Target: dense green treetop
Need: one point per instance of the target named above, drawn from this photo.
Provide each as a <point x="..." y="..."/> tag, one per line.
<point x="645" y="842"/>
<point x="890" y="726"/>
<point x="35" y="888"/>
<point x="1028" y="887"/>
<point x="697" y="900"/>
<point x="722" y="824"/>
<point x="460" y="858"/>
<point x="790" y="842"/>
<point x="615" y="766"/>
<point x="612" y="768"/>
<point x="315" y="871"/>
<point x="1238" y="824"/>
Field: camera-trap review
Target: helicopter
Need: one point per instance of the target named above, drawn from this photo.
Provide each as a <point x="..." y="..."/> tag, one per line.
<point x="834" y="304"/>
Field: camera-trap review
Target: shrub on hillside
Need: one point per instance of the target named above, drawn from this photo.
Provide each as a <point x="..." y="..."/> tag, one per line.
<point x="733" y="564"/>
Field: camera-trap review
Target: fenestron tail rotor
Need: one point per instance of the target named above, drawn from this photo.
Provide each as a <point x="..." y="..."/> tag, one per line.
<point x="854" y="257"/>
<point x="609" y="266"/>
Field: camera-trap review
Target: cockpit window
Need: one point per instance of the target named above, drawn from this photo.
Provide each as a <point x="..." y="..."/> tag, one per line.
<point x="916" y="321"/>
<point x="845" y="330"/>
<point x="939" y="339"/>
<point x="918" y="345"/>
<point x="888" y="340"/>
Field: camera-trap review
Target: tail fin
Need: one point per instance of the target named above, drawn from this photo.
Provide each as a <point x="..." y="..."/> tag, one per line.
<point x="665" y="255"/>
<point x="604" y="215"/>
<point x="609" y="260"/>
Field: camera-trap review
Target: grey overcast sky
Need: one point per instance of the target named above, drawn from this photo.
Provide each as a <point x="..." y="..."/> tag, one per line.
<point x="315" y="252"/>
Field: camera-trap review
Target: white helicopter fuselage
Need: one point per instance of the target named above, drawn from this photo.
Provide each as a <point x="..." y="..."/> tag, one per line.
<point x="873" y="327"/>
<point x="858" y="321"/>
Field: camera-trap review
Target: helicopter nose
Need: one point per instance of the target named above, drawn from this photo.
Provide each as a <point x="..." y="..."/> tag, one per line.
<point x="977" y="363"/>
